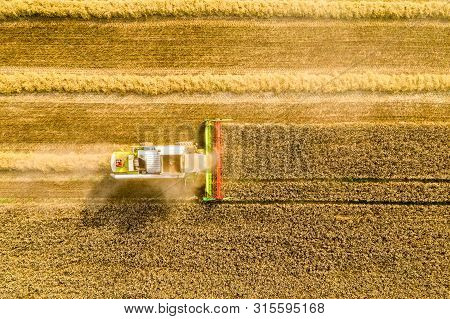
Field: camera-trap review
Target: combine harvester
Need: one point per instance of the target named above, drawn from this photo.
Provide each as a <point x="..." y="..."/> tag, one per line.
<point x="181" y="160"/>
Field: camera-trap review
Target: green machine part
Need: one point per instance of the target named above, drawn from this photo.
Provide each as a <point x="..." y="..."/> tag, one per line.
<point x="122" y="156"/>
<point x="208" y="150"/>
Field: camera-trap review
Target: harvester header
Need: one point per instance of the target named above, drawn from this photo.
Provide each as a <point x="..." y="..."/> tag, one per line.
<point x="213" y="150"/>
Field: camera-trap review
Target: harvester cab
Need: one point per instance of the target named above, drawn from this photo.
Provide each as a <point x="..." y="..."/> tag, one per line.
<point x="181" y="160"/>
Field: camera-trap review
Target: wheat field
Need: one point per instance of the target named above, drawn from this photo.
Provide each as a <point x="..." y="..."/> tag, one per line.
<point x="336" y="163"/>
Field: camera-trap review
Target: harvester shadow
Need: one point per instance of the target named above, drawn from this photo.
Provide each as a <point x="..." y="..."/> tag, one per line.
<point x="132" y="205"/>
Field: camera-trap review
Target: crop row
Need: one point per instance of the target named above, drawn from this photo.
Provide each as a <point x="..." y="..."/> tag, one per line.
<point x="237" y="8"/>
<point x="276" y="82"/>
<point x="339" y="191"/>
<point x="383" y="151"/>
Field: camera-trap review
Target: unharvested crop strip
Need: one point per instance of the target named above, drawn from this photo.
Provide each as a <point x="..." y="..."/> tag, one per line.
<point x="338" y="191"/>
<point x="336" y="202"/>
<point x="341" y="251"/>
<point x="133" y="9"/>
<point x="276" y="82"/>
<point x="385" y="151"/>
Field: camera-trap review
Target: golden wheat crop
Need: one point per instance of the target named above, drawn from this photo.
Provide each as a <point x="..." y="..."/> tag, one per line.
<point x="224" y="251"/>
<point x="276" y="82"/>
<point x="339" y="191"/>
<point x="237" y="8"/>
<point x="334" y="151"/>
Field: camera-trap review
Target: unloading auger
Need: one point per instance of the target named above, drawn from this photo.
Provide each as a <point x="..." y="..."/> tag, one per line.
<point x="182" y="160"/>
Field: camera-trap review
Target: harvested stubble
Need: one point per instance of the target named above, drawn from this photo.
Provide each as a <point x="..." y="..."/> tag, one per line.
<point x="223" y="45"/>
<point x="45" y="189"/>
<point x="339" y="191"/>
<point x="100" y="121"/>
<point x="226" y="251"/>
<point x="86" y="9"/>
<point x="96" y="188"/>
<point x="46" y="162"/>
<point x="336" y="151"/>
<point x="276" y="82"/>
